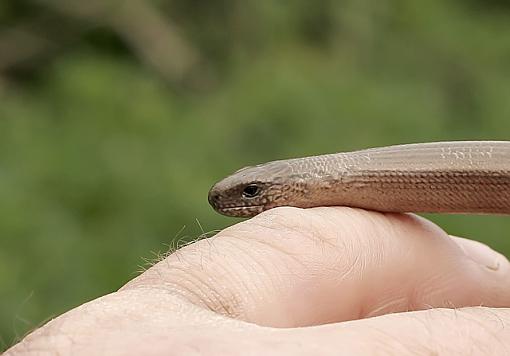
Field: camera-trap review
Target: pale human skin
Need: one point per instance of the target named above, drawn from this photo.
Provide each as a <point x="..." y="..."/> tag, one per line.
<point x="321" y="281"/>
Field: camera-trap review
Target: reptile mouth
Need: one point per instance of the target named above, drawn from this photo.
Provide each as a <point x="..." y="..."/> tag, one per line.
<point x="242" y="211"/>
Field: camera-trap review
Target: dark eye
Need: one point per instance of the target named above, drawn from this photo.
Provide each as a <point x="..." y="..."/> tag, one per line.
<point x="251" y="191"/>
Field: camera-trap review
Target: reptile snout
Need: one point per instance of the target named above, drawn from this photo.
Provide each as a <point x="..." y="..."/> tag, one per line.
<point x="214" y="197"/>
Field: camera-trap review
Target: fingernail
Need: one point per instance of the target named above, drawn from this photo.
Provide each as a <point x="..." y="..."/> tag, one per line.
<point x="480" y="253"/>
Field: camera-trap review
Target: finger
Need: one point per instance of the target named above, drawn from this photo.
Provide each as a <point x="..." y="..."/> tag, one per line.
<point x="152" y="321"/>
<point x="295" y="267"/>
<point x="481" y="254"/>
<point x="467" y="331"/>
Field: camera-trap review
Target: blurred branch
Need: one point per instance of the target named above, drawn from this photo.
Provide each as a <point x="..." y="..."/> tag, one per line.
<point x="154" y="39"/>
<point x="41" y="36"/>
<point x="20" y="44"/>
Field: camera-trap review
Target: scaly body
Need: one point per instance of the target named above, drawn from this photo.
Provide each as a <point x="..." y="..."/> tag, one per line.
<point x="449" y="177"/>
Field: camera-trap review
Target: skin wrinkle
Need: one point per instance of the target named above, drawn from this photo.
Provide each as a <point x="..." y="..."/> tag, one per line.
<point x="323" y="240"/>
<point x="278" y="219"/>
<point x="319" y="223"/>
<point x="464" y="245"/>
<point x="265" y="243"/>
<point x="266" y="272"/>
<point x="238" y="283"/>
<point x="410" y="298"/>
<point x="204" y="293"/>
<point x="476" y="273"/>
<point x="199" y="316"/>
<point x="376" y="245"/>
<point x="391" y="224"/>
<point x="339" y="246"/>
<point x="230" y="301"/>
<point x="62" y="335"/>
<point x="354" y="216"/>
<point x="313" y="234"/>
<point x="462" y="332"/>
<point x="429" y="293"/>
<point x="467" y="331"/>
<point x="278" y="222"/>
<point x="385" y="307"/>
<point x="184" y="288"/>
<point x="432" y="336"/>
<point x="362" y="241"/>
<point x="448" y="251"/>
<point x="440" y="285"/>
<point x="316" y="236"/>
<point x="231" y="309"/>
<point x="272" y="245"/>
<point x="276" y="284"/>
<point x="357" y="264"/>
<point x="277" y="245"/>
<point x="481" y="328"/>
<point x="481" y="332"/>
<point x="61" y="325"/>
<point x="413" y="298"/>
<point x="377" y="259"/>
<point x="377" y="223"/>
<point x="415" y="221"/>
<point x="217" y="303"/>
<point x="425" y="327"/>
<point x="212" y="250"/>
<point x="502" y="327"/>
<point x="390" y="344"/>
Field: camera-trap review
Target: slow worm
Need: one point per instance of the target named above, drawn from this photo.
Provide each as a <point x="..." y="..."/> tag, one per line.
<point x="447" y="177"/>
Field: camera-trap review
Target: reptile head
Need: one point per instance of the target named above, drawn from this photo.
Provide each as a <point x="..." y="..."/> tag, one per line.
<point x="251" y="190"/>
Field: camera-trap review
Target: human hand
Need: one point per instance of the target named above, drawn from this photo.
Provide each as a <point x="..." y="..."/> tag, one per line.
<point x="291" y="281"/>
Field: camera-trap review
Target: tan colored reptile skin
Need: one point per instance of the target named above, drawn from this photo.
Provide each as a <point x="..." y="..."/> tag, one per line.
<point x="448" y="177"/>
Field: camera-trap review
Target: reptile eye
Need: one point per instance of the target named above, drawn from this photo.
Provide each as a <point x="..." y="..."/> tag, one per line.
<point x="251" y="191"/>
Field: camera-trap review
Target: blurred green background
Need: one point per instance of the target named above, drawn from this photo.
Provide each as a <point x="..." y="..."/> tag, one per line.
<point x="117" y="116"/>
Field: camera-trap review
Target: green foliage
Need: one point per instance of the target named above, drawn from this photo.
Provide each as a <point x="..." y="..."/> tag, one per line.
<point x="103" y="162"/>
